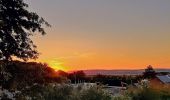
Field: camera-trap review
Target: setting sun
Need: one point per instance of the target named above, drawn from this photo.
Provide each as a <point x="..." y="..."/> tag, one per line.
<point x="84" y="49"/>
<point x="55" y="64"/>
<point x="104" y="34"/>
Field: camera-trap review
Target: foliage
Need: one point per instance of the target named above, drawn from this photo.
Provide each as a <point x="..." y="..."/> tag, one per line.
<point x="77" y="76"/>
<point x="49" y="92"/>
<point x="149" y="93"/>
<point x="4" y="75"/>
<point x="115" y="80"/>
<point x="24" y="74"/>
<point x="62" y="73"/>
<point x="95" y="93"/>
<point x="111" y="80"/>
<point x="121" y="98"/>
<point x="17" y="24"/>
<point x="69" y="92"/>
<point x="149" y="72"/>
<point x="63" y="92"/>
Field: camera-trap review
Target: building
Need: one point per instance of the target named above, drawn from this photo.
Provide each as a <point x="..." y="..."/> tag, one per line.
<point x="160" y="80"/>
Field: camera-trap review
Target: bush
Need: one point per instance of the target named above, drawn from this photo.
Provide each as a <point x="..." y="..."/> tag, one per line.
<point x="150" y="94"/>
<point x="17" y="75"/>
<point x="121" y="98"/>
<point x="63" y="92"/>
<point x="4" y="74"/>
<point x="95" y="93"/>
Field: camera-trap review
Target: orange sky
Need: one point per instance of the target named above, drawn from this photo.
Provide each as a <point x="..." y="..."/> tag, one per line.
<point x="76" y="55"/>
<point x="104" y="34"/>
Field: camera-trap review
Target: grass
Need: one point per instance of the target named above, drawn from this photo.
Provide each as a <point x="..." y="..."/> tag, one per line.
<point x="149" y="93"/>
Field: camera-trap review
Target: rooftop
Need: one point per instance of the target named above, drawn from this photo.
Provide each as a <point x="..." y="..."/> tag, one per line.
<point x="164" y="78"/>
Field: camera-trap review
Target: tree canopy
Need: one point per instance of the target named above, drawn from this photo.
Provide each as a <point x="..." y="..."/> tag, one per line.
<point x="17" y="24"/>
<point x="149" y="72"/>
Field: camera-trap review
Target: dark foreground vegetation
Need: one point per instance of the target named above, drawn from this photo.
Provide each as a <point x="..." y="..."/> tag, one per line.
<point x="17" y="75"/>
<point x="37" y="81"/>
<point x="64" y="92"/>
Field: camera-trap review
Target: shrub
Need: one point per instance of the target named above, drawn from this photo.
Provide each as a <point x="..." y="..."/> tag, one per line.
<point x="63" y="92"/>
<point x="4" y="74"/>
<point x="17" y="75"/>
<point x="95" y="93"/>
<point x="150" y="93"/>
<point x="121" y="98"/>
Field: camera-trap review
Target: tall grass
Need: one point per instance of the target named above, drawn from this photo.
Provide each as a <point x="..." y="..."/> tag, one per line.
<point x="149" y="93"/>
<point x="63" y="92"/>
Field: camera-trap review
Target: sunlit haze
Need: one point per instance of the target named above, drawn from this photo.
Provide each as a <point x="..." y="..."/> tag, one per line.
<point x="104" y="34"/>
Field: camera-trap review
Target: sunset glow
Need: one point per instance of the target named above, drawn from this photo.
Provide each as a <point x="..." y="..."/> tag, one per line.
<point x="55" y="64"/>
<point x="116" y="34"/>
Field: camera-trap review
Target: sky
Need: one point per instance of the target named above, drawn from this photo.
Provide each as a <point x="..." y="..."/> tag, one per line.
<point x="104" y="34"/>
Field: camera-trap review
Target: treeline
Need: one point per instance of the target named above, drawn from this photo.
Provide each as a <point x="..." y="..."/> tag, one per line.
<point x="18" y="75"/>
<point x="114" y="80"/>
<point x="111" y="80"/>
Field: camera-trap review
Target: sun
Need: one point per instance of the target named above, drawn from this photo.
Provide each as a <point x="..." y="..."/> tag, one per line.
<point x="55" y="64"/>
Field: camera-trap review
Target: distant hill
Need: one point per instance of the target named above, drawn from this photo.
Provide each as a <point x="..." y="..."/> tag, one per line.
<point x="120" y="72"/>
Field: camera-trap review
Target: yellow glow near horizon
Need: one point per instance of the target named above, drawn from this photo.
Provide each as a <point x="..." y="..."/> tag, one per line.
<point x="55" y="64"/>
<point x="104" y="34"/>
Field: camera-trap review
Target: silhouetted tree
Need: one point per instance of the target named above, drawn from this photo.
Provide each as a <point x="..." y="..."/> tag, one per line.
<point x="17" y="75"/>
<point x="149" y="72"/>
<point x="62" y="73"/>
<point x="17" y="24"/>
<point x="80" y="75"/>
<point x="77" y="76"/>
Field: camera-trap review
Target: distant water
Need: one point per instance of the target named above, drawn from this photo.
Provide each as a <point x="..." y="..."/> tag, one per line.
<point x="120" y="72"/>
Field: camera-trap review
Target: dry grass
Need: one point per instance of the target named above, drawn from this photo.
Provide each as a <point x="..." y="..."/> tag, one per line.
<point x="149" y="93"/>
